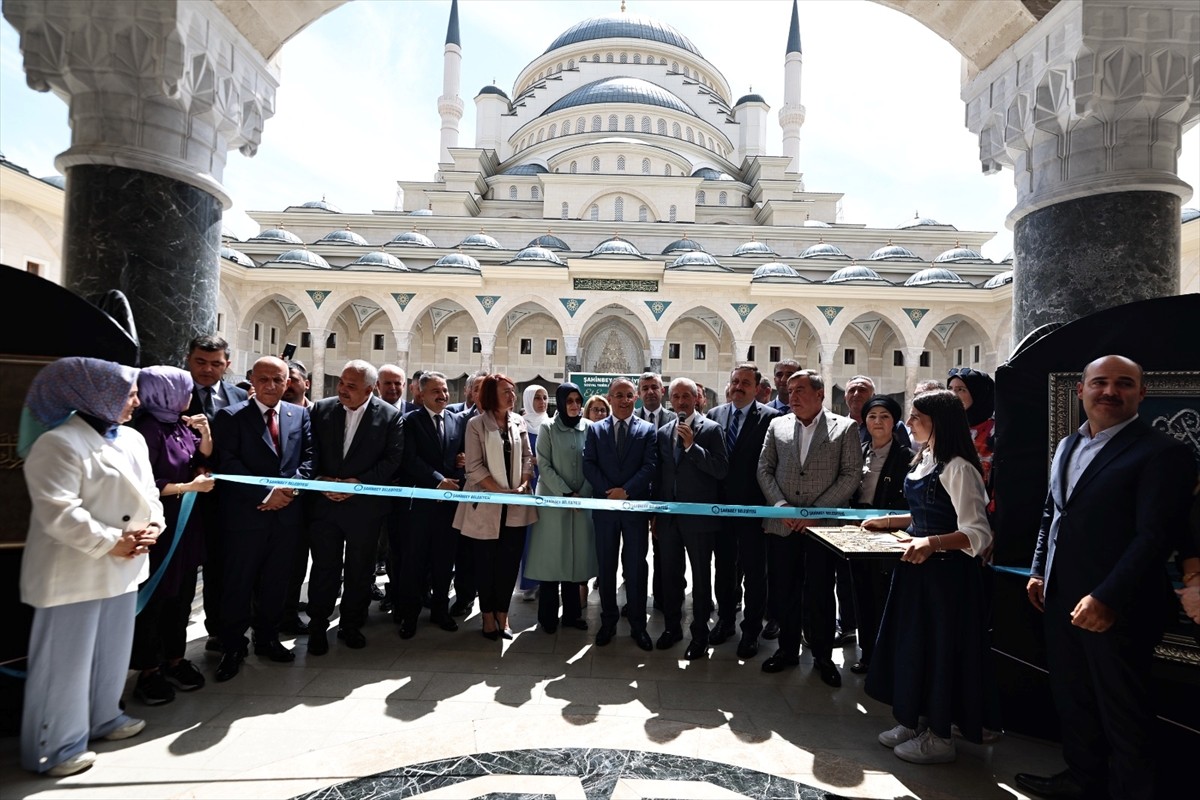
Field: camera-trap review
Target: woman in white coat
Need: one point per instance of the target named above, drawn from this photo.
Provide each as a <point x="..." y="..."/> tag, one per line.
<point x="95" y="515"/>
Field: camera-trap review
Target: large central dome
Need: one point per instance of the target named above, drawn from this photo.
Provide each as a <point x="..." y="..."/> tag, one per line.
<point x="621" y="90"/>
<point x="624" y="26"/>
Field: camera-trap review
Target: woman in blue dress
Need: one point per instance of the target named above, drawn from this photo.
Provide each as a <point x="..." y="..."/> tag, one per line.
<point x="932" y="646"/>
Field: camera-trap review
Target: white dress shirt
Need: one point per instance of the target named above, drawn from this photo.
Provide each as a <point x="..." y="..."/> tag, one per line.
<point x="1087" y="449"/>
<point x="353" y="418"/>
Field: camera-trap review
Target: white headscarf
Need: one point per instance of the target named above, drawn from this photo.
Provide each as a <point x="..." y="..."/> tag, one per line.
<point x="533" y="420"/>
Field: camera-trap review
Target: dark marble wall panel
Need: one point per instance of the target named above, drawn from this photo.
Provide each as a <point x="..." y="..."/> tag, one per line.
<point x="157" y="240"/>
<point x="1073" y="258"/>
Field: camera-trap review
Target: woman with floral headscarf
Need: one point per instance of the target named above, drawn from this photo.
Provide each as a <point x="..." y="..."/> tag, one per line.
<point x="95" y="515"/>
<point x="179" y="446"/>
<point x="534" y="401"/>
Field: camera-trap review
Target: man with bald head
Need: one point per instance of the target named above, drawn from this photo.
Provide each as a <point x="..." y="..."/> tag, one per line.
<point x="1119" y="491"/>
<point x="264" y="436"/>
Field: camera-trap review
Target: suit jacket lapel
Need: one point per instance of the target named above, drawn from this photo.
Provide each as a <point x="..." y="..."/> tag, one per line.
<point x="1120" y="443"/>
<point x="339" y="434"/>
<point x="820" y="434"/>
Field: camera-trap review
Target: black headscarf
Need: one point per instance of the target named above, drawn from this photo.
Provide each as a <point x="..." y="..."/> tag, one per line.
<point x="983" y="393"/>
<point x="889" y="405"/>
<point x="560" y="398"/>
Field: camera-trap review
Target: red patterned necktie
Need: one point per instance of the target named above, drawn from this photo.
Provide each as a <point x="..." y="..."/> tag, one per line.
<point x="273" y="427"/>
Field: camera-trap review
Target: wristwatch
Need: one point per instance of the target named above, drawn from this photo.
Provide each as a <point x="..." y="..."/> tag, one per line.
<point x="295" y="492"/>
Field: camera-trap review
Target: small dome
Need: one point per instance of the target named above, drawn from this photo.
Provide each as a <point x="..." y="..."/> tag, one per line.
<point x="753" y="248"/>
<point x="277" y="235"/>
<point x="624" y="26"/>
<point x="823" y="250"/>
<point x="710" y="174"/>
<point x="321" y="205"/>
<point x="526" y="169"/>
<point x="1003" y="279"/>
<point x="961" y="255"/>
<point x="749" y="98"/>
<point x="421" y="212"/>
<point x="480" y="239"/>
<point x="534" y="254"/>
<point x="1187" y="215"/>
<point x="776" y="269"/>
<point x="345" y="236"/>
<point x="237" y="257"/>
<point x="855" y="272"/>
<point x="616" y="246"/>
<point x="621" y="89"/>
<point x="59" y="182"/>
<point x="918" y="221"/>
<point x="380" y="259"/>
<point x="816" y="223"/>
<point x="684" y="245"/>
<point x="411" y="238"/>
<point x="934" y="275"/>
<point x="460" y="260"/>
<point x="301" y="258"/>
<point x="490" y="89"/>
<point x="696" y="258"/>
<point x="893" y="252"/>
<point x="550" y="242"/>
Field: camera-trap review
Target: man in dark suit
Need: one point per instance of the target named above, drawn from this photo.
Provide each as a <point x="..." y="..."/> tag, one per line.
<point x="783" y="371"/>
<point x="810" y="458"/>
<point x="358" y="438"/>
<point x="1119" y="491"/>
<point x="264" y="436"/>
<point x="297" y="394"/>
<point x="741" y="546"/>
<point x="650" y="392"/>
<point x="433" y="460"/>
<point x="691" y="465"/>
<point x="391" y="388"/>
<point x="464" y="565"/>
<point x="207" y="361"/>
<point x="619" y="456"/>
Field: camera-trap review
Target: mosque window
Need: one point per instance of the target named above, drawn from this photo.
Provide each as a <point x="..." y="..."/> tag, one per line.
<point x="662" y="127"/>
<point x="674" y="66"/>
<point x="723" y="199"/>
<point x="257" y="332"/>
<point x="700" y="197"/>
<point x="619" y="209"/>
<point x="700" y="352"/>
<point x="558" y="68"/>
<point x="673" y="349"/>
<point x="710" y="143"/>
<point x="512" y="193"/>
<point x="975" y="354"/>
<point x="620" y="163"/>
<point x="645" y="166"/>
<point x="629" y="123"/>
<point x="595" y="58"/>
<point x="624" y="58"/>
<point x="596" y="123"/>
<point x="649" y="59"/>
<point x="571" y="63"/>
<point x="924" y="358"/>
<point x="637" y="58"/>
<point x="553" y="130"/>
<point x="595" y="164"/>
<point x="521" y="146"/>
<point x="541" y="76"/>
<point x="958" y="357"/>
<point x="580" y="125"/>
<point x="451" y="344"/>
<point x="594" y="213"/>
<point x="848" y="356"/>
<point x="378" y="341"/>
<point x="775" y="353"/>
<point x="690" y="135"/>
<point x="566" y="211"/>
<point x="645" y="124"/>
<point x="331" y="341"/>
<point x="608" y="59"/>
<point x="541" y="134"/>
<point x="897" y="358"/>
<point x="667" y="170"/>
<point x="676" y="131"/>
<point x="476" y="345"/>
<point x="535" y="193"/>
<point x="643" y="214"/>
<point x="671" y="213"/>
<point x="305" y="338"/>
<point x="574" y="167"/>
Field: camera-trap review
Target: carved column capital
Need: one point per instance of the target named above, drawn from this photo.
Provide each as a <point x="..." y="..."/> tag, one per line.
<point x="163" y="87"/>
<point x="1092" y="99"/>
<point x="656" y="348"/>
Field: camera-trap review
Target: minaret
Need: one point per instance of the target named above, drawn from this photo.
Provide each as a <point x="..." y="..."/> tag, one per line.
<point x="450" y="105"/>
<point x="791" y="115"/>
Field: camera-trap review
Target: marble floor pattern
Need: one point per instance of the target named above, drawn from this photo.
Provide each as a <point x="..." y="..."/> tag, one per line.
<point x="360" y="723"/>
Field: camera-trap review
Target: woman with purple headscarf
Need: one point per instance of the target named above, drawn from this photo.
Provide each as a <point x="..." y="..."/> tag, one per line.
<point x="179" y="447"/>
<point x="95" y="515"/>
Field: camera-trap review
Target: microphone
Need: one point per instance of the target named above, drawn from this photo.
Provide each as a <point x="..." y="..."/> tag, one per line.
<point x="682" y="417"/>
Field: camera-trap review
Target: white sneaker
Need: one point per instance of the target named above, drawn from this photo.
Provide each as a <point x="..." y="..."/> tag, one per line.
<point x="129" y="728"/>
<point x="897" y="735"/>
<point x="928" y="748"/>
<point x="989" y="736"/>
<point x="75" y="764"/>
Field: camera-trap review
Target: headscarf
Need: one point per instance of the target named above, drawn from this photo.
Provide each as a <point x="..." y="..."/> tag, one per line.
<point x="560" y="398"/>
<point x="164" y="392"/>
<point x="98" y="389"/>
<point x="533" y="419"/>
<point x="888" y="404"/>
<point x="983" y="393"/>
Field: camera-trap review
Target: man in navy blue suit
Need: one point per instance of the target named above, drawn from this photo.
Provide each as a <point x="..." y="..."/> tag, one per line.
<point x="265" y="437"/>
<point x="1119" y="492"/>
<point x="619" y="458"/>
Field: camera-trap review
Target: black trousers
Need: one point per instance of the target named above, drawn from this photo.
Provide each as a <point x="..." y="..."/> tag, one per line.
<point x="465" y="589"/>
<point x="396" y="531"/>
<point x="548" y="598"/>
<point x="497" y="562"/>
<point x="160" y="631"/>
<point x="871" y="578"/>
<point x="820" y="605"/>
<point x="676" y="541"/>
<point x="727" y="580"/>
<point x="622" y="538"/>
<point x="299" y="571"/>
<point x="427" y="546"/>
<point x="785" y="576"/>
<point x="344" y="555"/>
<point x="257" y="566"/>
<point x="847" y="617"/>
<point x="751" y="545"/>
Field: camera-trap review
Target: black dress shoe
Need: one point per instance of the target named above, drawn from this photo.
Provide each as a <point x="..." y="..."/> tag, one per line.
<point x="213" y="645"/>
<point x="747" y="648"/>
<point x="408" y="629"/>
<point x="695" y="650"/>
<point x="274" y="651"/>
<point x="844" y="636"/>
<point x="780" y="662"/>
<point x="579" y="623"/>
<point x="318" y="643"/>
<point x="460" y="608"/>
<point x="723" y="633"/>
<point x="668" y="639"/>
<point x="446" y="623"/>
<point x="1061" y="785"/>
<point x="294" y="626"/>
<point x="605" y="635"/>
<point x="231" y="662"/>
<point x="860" y="667"/>
<point x="642" y="640"/>
<point x="828" y="672"/>
<point x="353" y="638"/>
<point x="771" y="631"/>
<point x="377" y="592"/>
<point x="550" y="628"/>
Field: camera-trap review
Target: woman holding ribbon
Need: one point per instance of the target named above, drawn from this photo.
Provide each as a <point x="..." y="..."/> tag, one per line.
<point x="179" y="447"/>
<point x="562" y="547"/>
<point x="95" y="515"/>
<point x="498" y="461"/>
<point x="932" y="647"/>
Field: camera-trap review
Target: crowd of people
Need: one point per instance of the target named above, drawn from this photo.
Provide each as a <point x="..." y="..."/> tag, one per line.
<point x="109" y="516"/>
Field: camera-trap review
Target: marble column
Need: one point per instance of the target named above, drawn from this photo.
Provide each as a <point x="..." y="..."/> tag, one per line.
<point x="912" y="372"/>
<point x="487" y="348"/>
<point x="741" y="351"/>
<point x="316" y="372"/>
<point x="828" y="353"/>
<point x="656" y="359"/>
<point x="1088" y="109"/>
<point x="158" y="93"/>
<point x="403" y="343"/>
<point x="572" y="363"/>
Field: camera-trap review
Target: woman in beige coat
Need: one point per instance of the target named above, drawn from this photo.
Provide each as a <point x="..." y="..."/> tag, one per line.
<point x="498" y="459"/>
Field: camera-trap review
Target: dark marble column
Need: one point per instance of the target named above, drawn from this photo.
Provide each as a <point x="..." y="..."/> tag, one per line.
<point x="656" y="365"/>
<point x="157" y="240"/>
<point x="1080" y="256"/>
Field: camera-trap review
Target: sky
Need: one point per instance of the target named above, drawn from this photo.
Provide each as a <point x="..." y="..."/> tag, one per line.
<point x="357" y="106"/>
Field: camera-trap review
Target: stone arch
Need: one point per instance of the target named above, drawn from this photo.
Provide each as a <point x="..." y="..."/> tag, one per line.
<point x="529" y="318"/>
<point x="614" y="340"/>
<point x="695" y="325"/>
<point x="957" y="329"/>
<point x="874" y="338"/>
<point x="895" y="317"/>
<point x="434" y="320"/>
<point x="291" y="313"/>
<point x="627" y="192"/>
<point x="797" y="333"/>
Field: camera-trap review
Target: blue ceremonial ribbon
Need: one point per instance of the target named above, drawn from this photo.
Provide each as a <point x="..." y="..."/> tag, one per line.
<point x="1022" y="571"/>
<point x="543" y="501"/>
<point x="185" y="511"/>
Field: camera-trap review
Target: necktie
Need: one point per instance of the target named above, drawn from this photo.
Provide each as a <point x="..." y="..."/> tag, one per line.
<point x="620" y="436"/>
<point x="206" y="401"/>
<point x="678" y="444"/>
<point x="735" y="424"/>
<point x="273" y="427"/>
<point x="441" y="432"/>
